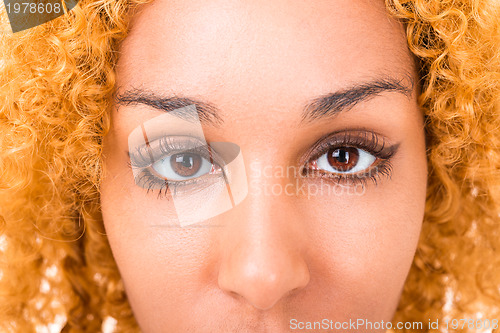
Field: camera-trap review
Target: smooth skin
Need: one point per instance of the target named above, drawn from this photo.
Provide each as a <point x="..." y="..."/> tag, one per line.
<point x="274" y="257"/>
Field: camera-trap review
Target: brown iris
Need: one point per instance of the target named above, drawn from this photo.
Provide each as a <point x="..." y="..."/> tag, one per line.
<point x="343" y="159"/>
<point x="185" y="164"/>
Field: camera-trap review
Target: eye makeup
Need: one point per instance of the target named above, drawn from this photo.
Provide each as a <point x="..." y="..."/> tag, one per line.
<point x="365" y="142"/>
<point x="146" y="154"/>
<point x="143" y="157"/>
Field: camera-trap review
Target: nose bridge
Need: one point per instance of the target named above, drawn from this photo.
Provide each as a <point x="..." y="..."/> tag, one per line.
<point x="262" y="251"/>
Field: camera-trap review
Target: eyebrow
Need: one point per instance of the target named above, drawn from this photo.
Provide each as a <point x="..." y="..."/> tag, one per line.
<point x="207" y="113"/>
<point x="332" y="104"/>
<point x="322" y="107"/>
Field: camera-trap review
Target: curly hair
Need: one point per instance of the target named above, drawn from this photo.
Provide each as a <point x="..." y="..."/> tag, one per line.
<point x="56" y="83"/>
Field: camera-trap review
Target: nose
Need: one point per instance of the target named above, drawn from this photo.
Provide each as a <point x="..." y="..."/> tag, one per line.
<point x="262" y="251"/>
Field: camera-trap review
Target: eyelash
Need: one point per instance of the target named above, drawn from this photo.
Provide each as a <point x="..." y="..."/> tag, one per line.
<point x="364" y="140"/>
<point x="167" y="146"/>
<point x="152" y="181"/>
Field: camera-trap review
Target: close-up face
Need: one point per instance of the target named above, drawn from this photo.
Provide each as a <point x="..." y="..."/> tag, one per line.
<point x="329" y="170"/>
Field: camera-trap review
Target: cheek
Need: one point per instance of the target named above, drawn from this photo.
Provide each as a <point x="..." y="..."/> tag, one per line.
<point x="366" y="240"/>
<point x="156" y="263"/>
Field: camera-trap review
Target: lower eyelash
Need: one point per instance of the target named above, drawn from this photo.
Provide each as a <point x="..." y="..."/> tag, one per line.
<point x="383" y="168"/>
<point x="151" y="182"/>
<point x="373" y="174"/>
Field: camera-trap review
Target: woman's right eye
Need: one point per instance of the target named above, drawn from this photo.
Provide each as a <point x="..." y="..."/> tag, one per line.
<point x="184" y="166"/>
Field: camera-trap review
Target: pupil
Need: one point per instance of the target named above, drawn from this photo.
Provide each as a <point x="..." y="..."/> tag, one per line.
<point x="185" y="164"/>
<point x="343" y="159"/>
<point x="342" y="156"/>
<point x="186" y="161"/>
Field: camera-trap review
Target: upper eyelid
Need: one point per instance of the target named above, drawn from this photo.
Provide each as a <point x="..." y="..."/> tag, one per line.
<point x="359" y="138"/>
<point x="379" y="146"/>
<point x="159" y="153"/>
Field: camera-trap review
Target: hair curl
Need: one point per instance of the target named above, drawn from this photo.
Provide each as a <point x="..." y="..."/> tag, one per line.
<point x="56" y="82"/>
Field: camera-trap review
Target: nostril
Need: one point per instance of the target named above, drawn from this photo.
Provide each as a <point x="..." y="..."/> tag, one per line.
<point x="262" y="259"/>
<point x="263" y="285"/>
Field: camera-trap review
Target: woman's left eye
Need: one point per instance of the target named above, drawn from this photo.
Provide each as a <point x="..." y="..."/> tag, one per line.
<point x="183" y="166"/>
<point x="344" y="160"/>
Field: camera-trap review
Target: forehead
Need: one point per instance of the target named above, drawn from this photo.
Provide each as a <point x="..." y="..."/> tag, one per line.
<point x="260" y="48"/>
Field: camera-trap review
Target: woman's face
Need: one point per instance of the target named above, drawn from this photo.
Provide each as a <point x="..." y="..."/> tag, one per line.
<point x="320" y="99"/>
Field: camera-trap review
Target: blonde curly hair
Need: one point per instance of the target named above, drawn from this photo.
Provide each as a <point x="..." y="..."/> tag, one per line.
<point x="56" y="83"/>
